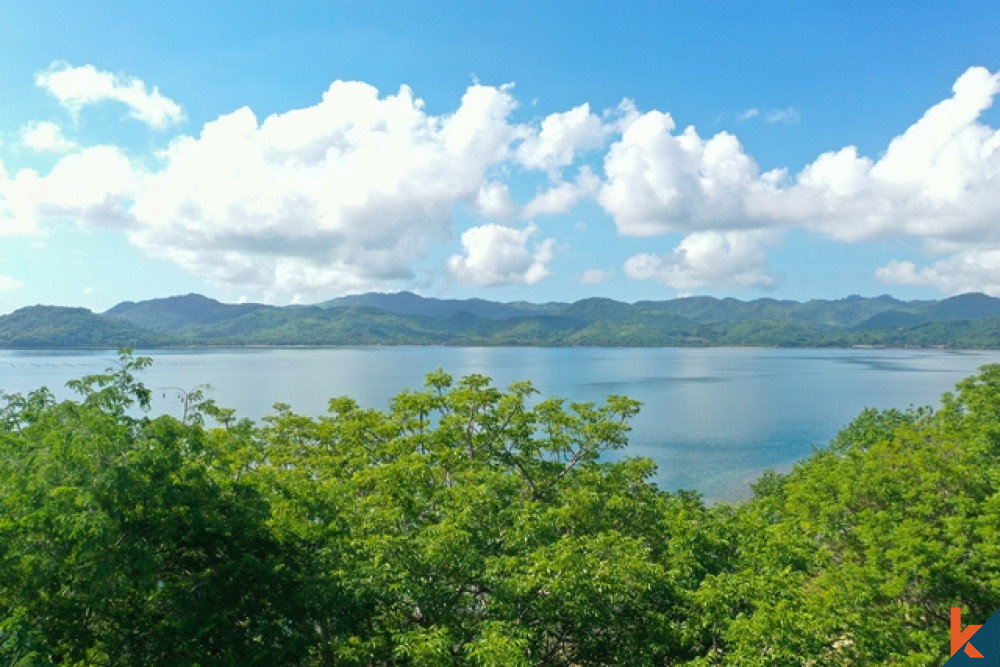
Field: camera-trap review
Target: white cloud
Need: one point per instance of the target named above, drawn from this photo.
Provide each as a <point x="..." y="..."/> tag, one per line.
<point x="710" y="258"/>
<point x="45" y="136"/>
<point x="558" y="198"/>
<point x="939" y="181"/>
<point x="7" y="283"/>
<point x="788" y="115"/>
<point x="497" y="255"/>
<point x="594" y="277"/>
<point x="349" y="193"/>
<point x="619" y="118"/>
<point x="494" y="201"/>
<point x="966" y="271"/>
<point x="561" y="197"/>
<point x="77" y="87"/>
<point x="340" y="196"/>
<point x="561" y="135"/>
<point x="94" y="186"/>
<point x="659" y="182"/>
<point x="90" y="186"/>
<point x="941" y="175"/>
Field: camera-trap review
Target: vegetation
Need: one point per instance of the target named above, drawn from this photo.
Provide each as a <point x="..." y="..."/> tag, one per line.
<point x="470" y="525"/>
<point x="52" y="326"/>
<point x="965" y="321"/>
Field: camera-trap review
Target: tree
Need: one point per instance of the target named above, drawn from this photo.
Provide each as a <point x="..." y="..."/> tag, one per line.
<point x="466" y="525"/>
<point x="857" y="555"/>
<point x="120" y="544"/>
<point x="471" y="525"/>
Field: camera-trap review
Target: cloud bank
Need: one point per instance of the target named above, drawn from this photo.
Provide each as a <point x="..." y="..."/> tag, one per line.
<point x="353" y="192"/>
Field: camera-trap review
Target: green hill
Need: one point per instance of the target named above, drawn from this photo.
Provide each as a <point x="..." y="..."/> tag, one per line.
<point x="410" y="304"/>
<point x="55" y="326"/>
<point x="176" y="313"/>
<point x="964" y="321"/>
<point x="973" y="306"/>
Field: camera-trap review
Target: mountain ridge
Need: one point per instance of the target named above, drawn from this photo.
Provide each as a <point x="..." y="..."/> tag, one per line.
<point x="400" y="318"/>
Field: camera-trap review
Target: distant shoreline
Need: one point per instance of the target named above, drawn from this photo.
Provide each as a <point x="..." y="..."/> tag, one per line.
<point x="964" y="322"/>
<point x="320" y="346"/>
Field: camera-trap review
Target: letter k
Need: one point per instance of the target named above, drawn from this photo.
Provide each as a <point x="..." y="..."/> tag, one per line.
<point x="959" y="637"/>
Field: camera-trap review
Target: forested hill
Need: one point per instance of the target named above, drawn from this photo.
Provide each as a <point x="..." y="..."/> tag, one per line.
<point x="54" y="326"/>
<point x="964" y="321"/>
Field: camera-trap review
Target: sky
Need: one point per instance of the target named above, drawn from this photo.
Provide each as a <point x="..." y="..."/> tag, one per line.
<point x="544" y="151"/>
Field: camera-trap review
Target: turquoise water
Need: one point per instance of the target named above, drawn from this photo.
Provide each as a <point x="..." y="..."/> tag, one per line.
<point x="713" y="418"/>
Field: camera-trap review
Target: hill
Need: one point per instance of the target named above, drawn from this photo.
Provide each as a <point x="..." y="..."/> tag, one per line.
<point x="964" y="321"/>
<point x="54" y="326"/>
<point x="410" y="304"/>
<point x="176" y="313"/>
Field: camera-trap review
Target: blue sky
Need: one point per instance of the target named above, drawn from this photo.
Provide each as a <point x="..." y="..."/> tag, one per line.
<point x="297" y="151"/>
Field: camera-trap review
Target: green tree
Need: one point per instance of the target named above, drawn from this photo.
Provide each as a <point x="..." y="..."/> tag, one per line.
<point x="465" y="525"/>
<point x="120" y="544"/>
<point x="471" y="525"/>
<point x="857" y="556"/>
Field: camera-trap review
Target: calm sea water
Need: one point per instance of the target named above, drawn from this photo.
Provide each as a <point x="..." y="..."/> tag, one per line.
<point x="713" y="419"/>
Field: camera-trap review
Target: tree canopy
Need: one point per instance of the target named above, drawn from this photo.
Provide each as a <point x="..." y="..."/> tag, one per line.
<point x="466" y="524"/>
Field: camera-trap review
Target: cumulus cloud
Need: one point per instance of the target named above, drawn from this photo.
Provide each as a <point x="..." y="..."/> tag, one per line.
<point x="560" y="137"/>
<point x="497" y="255"/>
<point x="562" y="196"/>
<point x="77" y="87"/>
<point x="93" y="186"/>
<point x="343" y="195"/>
<point x="45" y="136"/>
<point x="348" y="194"/>
<point x="940" y="175"/>
<point x="970" y="270"/>
<point x="710" y="258"/>
<point x="659" y="182"/>
<point x="938" y="181"/>
<point x="494" y="201"/>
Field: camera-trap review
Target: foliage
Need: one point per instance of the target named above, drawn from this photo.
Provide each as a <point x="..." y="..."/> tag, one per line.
<point x="121" y="542"/>
<point x="52" y="326"/>
<point x="471" y="525"/>
<point x="857" y="556"/>
<point x="965" y="321"/>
